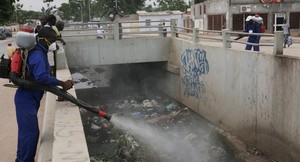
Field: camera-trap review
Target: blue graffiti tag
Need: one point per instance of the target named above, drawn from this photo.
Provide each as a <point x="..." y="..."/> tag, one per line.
<point x="194" y="64"/>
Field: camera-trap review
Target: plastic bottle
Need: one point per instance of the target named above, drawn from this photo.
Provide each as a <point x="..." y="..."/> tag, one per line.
<point x="10" y="50"/>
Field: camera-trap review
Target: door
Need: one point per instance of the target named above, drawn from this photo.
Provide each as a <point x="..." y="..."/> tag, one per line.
<point x="216" y="22"/>
<point x="278" y="21"/>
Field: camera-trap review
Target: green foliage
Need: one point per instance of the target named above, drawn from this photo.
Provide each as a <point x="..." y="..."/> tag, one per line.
<point x="99" y="8"/>
<point x="6" y="10"/>
<point x="149" y="8"/>
<point x="104" y="7"/>
<point x="71" y="11"/>
<point x="172" y="5"/>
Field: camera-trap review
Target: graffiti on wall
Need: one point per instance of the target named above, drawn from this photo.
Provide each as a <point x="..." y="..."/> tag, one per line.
<point x="194" y="64"/>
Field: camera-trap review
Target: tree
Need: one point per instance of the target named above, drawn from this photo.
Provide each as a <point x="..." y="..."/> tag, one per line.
<point x="103" y="8"/>
<point x="98" y="8"/>
<point x="71" y="10"/>
<point x="172" y="5"/>
<point x="6" y="10"/>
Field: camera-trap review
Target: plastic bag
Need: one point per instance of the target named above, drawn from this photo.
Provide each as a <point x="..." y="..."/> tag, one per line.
<point x="290" y="41"/>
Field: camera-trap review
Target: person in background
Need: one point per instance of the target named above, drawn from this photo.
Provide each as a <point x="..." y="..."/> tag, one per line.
<point x="164" y="29"/>
<point x="252" y="27"/>
<point x="51" y="22"/>
<point x="176" y="30"/>
<point x="286" y="32"/>
<point x="60" y="27"/>
<point x="43" y="21"/>
<point x="27" y="101"/>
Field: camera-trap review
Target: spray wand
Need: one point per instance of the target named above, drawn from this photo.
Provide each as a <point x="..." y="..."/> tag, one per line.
<point x="14" y="77"/>
<point x="62" y="93"/>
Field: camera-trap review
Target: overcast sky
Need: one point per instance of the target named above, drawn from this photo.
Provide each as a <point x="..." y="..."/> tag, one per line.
<point x="36" y="5"/>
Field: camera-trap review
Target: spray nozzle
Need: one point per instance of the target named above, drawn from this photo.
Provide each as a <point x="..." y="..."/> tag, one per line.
<point x="104" y="115"/>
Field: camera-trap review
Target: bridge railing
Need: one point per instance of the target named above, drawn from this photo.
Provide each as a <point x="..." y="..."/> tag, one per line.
<point x="128" y="29"/>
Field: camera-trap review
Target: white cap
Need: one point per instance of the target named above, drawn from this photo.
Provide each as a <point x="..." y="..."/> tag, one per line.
<point x="249" y="18"/>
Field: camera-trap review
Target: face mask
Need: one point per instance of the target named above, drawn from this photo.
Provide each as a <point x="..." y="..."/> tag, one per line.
<point x="52" y="47"/>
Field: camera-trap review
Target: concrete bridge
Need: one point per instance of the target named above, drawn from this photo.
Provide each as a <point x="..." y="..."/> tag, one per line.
<point x="253" y="95"/>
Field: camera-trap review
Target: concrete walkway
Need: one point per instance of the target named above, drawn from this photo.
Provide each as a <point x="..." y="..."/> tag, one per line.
<point x="61" y="132"/>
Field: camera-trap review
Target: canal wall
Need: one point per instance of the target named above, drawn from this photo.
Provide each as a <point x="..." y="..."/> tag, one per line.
<point x="91" y="52"/>
<point x="252" y="95"/>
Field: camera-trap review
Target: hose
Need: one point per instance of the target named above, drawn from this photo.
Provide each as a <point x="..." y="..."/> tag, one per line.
<point x="26" y="83"/>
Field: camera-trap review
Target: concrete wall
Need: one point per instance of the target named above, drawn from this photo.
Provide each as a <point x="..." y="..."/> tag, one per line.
<point x="254" y="96"/>
<point x="89" y="52"/>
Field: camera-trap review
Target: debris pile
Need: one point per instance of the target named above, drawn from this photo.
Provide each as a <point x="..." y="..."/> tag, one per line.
<point x="106" y="142"/>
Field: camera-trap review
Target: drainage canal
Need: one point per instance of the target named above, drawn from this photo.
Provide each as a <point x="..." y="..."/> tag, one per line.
<point x="147" y="126"/>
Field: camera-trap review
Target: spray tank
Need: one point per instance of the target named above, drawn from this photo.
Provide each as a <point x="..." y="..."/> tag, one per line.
<point x="26" y="42"/>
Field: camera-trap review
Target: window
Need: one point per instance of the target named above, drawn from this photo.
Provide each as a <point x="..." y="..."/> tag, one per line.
<point x="294" y="20"/>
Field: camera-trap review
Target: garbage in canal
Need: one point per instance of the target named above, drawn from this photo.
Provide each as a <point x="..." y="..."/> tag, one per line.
<point x="152" y="129"/>
<point x="146" y="125"/>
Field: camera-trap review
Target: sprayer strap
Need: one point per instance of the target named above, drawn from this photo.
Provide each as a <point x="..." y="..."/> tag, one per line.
<point x="24" y="63"/>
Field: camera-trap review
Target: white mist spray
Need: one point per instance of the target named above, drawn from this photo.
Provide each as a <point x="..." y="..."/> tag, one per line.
<point x="164" y="142"/>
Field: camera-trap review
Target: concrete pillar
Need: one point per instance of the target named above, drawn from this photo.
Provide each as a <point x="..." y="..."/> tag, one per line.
<point x="278" y="43"/>
<point x="148" y="22"/>
<point x="61" y="61"/>
<point x="225" y="38"/>
<point x="116" y="30"/>
<point x="160" y="29"/>
<point x="195" y="35"/>
<point x="173" y="28"/>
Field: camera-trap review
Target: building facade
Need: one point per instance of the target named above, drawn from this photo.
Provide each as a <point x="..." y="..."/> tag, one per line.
<point x="231" y="14"/>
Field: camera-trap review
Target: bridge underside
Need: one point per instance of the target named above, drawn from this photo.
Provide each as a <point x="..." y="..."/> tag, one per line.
<point x="94" y="52"/>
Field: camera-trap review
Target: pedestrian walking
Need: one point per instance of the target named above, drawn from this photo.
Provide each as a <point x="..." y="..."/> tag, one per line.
<point x="252" y="27"/>
<point x="286" y="33"/>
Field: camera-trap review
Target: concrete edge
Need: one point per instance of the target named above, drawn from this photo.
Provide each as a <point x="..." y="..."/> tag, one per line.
<point x="46" y="139"/>
<point x="62" y="137"/>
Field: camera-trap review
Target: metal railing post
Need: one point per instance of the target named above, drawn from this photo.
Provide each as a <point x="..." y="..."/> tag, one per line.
<point x="225" y="38"/>
<point x="116" y="30"/>
<point x="196" y="35"/>
<point x="278" y="43"/>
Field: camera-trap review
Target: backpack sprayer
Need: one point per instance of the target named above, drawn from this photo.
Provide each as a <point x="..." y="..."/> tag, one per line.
<point x="14" y="69"/>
